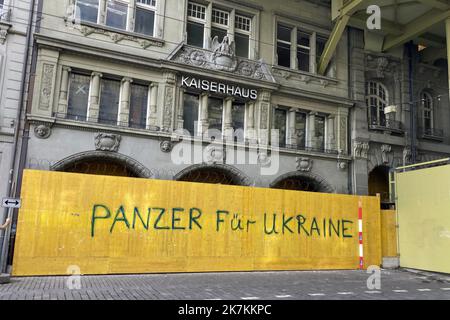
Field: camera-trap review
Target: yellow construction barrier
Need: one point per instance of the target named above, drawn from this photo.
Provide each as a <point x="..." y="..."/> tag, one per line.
<point x="114" y="225"/>
<point x="388" y="233"/>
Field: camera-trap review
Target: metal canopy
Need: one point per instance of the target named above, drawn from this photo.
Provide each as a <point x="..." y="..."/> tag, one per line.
<point x="422" y="21"/>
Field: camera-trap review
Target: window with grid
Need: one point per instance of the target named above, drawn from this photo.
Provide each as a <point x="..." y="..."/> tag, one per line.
<point x="376" y="99"/>
<point x="196" y="24"/>
<point x="243" y="29"/>
<point x="196" y="11"/>
<point x="219" y="24"/>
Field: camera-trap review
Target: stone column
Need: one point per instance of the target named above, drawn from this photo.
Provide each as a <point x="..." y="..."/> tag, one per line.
<point x="152" y="109"/>
<point x="180" y="116"/>
<point x="312" y="53"/>
<point x="292" y="133"/>
<point x="94" y="97"/>
<point x="311" y="141"/>
<point x="331" y="132"/>
<point x="228" y="119"/>
<point x="250" y="135"/>
<point x="204" y="117"/>
<point x="342" y="128"/>
<point x="264" y="109"/>
<point x="124" y="106"/>
<point x="63" y="92"/>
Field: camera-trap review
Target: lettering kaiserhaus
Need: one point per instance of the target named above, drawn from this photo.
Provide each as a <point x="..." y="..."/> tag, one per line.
<point x="219" y="87"/>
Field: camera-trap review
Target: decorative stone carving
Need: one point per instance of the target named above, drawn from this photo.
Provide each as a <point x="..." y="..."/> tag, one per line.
<point x="214" y="154"/>
<point x="42" y="131"/>
<point x="361" y="149"/>
<point x="407" y="154"/>
<point x="4" y="29"/>
<point x="264" y="159"/>
<point x="381" y="65"/>
<point x="304" y="164"/>
<point x="46" y="86"/>
<point x="385" y="149"/>
<point x="342" y="165"/>
<point x="222" y="57"/>
<point x="166" y="146"/>
<point x="115" y="37"/>
<point x="107" y="142"/>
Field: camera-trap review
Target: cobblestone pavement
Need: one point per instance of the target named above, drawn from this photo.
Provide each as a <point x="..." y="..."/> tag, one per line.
<point x="301" y="285"/>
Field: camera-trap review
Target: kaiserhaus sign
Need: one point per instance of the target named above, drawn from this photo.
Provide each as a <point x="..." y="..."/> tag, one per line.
<point x="219" y="87"/>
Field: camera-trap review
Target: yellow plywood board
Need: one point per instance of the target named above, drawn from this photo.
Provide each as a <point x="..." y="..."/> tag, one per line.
<point x="114" y="225"/>
<point x="424" y="219"/>
<point x="388" y="233"/>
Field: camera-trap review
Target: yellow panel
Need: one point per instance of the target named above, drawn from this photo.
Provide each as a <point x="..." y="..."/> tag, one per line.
<point x="424" y="219"/>
<point x="388" y="233"/>
<point x="102" y="224"/>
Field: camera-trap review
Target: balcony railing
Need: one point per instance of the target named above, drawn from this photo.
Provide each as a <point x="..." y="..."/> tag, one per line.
<point x="432" y="133"/>
<point x="104" y="119"/>
<point x="309" y="149"/>
<point x="386" y="125"/>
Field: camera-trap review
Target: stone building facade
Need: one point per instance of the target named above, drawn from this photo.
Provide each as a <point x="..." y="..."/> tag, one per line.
<point x="14" y="21"/>
<point x="131" y="87"/>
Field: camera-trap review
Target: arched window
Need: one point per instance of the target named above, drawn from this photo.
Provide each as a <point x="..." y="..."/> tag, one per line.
<point x="428" y="112"/>
<point x="377" y="100"/>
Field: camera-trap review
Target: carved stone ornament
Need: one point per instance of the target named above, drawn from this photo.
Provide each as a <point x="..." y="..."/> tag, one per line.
<point x="263" y="159"/>
<point x="381" y="65"/>
<point x="107" y="142"/>
<point x="166" y="146"/>
<point x="342" y="165"/>
<point x="222" y="57"/>
<point x="361" y="149"/>
<point x="304" y="164"/>
<point x="214" y="154"/>
<point x="42" y="131"/>
<point x="407" y="154"/>
<point x="385" y="149"/>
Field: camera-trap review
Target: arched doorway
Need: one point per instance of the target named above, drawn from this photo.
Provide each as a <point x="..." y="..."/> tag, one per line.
<point x="215" y="174"/>
<point x="103" y="163"/>
<point x="302" y="182"/>
<point x="379" y="184"/>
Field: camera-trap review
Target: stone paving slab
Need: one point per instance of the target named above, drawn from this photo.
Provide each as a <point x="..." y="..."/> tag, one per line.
<point x="245" y="286"/>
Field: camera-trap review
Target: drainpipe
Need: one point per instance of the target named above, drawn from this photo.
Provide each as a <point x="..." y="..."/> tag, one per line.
<point x="413" y="129"/>
<point x="11" y="186"/>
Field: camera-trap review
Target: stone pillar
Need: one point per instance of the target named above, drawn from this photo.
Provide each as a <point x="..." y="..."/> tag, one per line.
<point x="44" y="88"/>
<point x="63" y="92"/>
<point x="228" y="119"/>
<point x="94" y="97"/>
<point x="312" y="53"/>
<point x="250" y="135"/>
<point x="168" y="111"/>
<point x="264" y="109"/>
<point x="342" y="128"/>
<point x="152" y="110"/>
<point x="331" y="132"/>
<point x="180" y="115"/>
<point x="312" y="140"/>
<point x="292" y="133"/>
<point x="124" y="106"/>
<point x="204" y="117"/>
